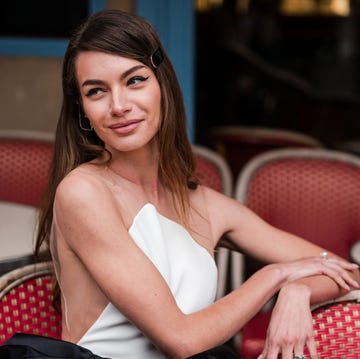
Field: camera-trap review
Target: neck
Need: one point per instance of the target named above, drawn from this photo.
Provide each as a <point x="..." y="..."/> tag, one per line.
<point x="139" y="169"/>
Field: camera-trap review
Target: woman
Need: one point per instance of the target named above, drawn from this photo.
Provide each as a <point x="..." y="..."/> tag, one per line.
<point x="131" y="232"/>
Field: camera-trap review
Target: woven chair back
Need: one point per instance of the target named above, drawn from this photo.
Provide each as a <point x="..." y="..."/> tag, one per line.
<point x="26" y="302"/>
<point x="337" y="328"/>
<point x="309" y="192"/>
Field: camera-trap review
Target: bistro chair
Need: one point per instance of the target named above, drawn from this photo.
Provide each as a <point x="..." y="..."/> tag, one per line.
<point x="213" y="171"/>
<point x="238" y="144"/>
<point x="26" y="302"/>
<point x="313" y="193"/>
<point x="337" y="327"/>
<point x="25" y="158"/>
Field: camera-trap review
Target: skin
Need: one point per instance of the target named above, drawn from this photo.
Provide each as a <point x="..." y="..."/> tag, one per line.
<point x="96" y="204"/>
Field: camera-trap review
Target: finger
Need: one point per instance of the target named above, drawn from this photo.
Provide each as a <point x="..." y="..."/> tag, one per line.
<point x="333" y="269"/>
<point x="298" y="351"/>
<point x="264" y="352"/>
<point x="312" y="348"/>
<point x="273" y="352"/>
<point x="338" y="279"/>
<point x="348" y="266"/>
<point x="340" y="275"/>
<point x="287" y="352"/>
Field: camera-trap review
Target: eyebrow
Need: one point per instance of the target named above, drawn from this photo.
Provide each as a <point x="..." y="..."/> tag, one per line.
<point x="122" y="77"/>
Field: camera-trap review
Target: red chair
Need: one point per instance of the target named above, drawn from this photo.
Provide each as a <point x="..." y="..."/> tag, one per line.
<point x="313" y="193"/>
<point x="337" y="328"/>
<point x="26" y="302"/>
<point x="25" y="159"/>
<point x="213" y="171"/>
<point x="238" y="144"/>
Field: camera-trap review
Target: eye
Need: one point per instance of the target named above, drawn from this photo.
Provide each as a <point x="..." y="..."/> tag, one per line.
<point x="94" y="91"/>
<point x="136" y="80"/>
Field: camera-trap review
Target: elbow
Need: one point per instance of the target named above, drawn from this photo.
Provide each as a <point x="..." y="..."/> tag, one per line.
<point x="182" y="346"/>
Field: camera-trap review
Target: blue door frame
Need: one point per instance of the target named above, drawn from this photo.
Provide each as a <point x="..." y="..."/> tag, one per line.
<point x="174" y="22"/>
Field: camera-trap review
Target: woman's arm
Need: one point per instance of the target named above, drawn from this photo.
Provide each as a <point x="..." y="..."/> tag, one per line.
<point x="290" y="328"/>
<point x="248" y="233"/>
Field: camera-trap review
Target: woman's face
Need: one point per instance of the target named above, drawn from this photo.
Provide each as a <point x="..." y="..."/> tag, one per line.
<point x="121" y="98"/>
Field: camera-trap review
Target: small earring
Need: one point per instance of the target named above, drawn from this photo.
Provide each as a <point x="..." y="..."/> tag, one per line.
<point x="81" y="119"/>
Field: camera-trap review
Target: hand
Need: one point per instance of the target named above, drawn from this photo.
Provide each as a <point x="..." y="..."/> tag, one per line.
<point x="337" y="269"/>
<point x="291" y="326"/>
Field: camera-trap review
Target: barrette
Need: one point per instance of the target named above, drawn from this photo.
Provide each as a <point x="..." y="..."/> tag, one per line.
<point x="157" y="58"/>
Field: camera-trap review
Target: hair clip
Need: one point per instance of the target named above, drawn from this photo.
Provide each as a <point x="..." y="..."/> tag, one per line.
<point x="157" y="58"/>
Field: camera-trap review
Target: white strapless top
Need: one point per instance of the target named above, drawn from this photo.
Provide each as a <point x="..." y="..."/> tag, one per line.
<point x="187" y="268"/>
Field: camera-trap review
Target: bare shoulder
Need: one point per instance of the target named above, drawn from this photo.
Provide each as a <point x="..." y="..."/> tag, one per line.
<point x="215" y="200"/>
<point x="82" y="185"/>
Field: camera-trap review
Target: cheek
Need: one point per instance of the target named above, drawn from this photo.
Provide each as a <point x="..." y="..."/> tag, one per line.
<point x="94" y="111"/>
<point x="156" y="100"/>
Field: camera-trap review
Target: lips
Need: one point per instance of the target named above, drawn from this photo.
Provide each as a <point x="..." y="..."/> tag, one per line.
<point x="125" y="127"/>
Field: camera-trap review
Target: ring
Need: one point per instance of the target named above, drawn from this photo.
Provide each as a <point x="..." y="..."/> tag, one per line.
<point x="324" y="255"/>
<point x="300" y="356"/>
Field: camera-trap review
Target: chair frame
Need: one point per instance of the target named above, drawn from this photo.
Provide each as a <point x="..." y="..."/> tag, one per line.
<point x="12" y="279"/>
<point x="223" y="254"/>
<point x="244" y="178"/>
<point x="219" y="162"/>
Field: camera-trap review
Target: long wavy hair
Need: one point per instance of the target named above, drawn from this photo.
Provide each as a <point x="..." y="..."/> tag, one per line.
<point x="120" y="33"/>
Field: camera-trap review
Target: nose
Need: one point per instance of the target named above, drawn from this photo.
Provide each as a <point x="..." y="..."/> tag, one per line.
<point x="120" y="104"/>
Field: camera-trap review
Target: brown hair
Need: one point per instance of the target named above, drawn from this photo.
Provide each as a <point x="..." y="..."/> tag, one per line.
<point x="127" y="35"/>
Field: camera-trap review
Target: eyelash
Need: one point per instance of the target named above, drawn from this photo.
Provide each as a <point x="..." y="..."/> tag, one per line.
<point x="132" y="81"/>
<point x="93" y="91"/>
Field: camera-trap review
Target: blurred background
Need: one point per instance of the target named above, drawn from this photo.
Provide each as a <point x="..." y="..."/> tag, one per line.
<point x="279" y="63"/>
<point x="289" y="64"/>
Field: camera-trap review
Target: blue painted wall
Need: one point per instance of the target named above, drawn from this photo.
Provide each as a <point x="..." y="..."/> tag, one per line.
<point x="174" y="22"/>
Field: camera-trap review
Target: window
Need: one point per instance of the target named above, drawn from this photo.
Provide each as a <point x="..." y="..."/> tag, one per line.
<point x="41" y="27"/>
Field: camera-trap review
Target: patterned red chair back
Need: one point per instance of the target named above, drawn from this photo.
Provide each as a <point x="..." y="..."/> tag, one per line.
<point x="313" y="193"/>
<point x="337" y="328"/>
<point x="26" y="302"/>
<point x="24" y="168"/>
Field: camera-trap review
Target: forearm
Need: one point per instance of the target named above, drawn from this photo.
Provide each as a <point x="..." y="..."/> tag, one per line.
<point x="323" y="288"/>
<point x="216" y="324"/>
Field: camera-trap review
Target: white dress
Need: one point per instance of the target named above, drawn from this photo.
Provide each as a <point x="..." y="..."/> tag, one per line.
<point x="187" y="268"/>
